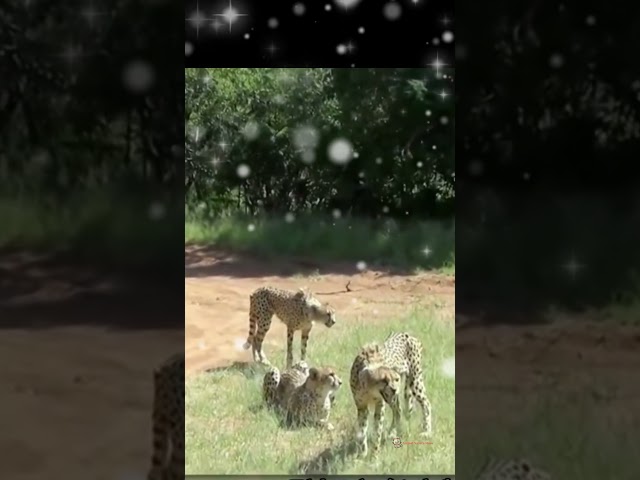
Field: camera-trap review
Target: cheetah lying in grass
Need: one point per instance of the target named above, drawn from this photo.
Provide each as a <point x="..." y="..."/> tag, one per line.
<point x="278" y="387"/>
<point x="303" y="396"/>
<point x="167" y="460"/>
<point x="516" y="469"/>
<point x="297" y="310"/>
<point x="375" y="379"/>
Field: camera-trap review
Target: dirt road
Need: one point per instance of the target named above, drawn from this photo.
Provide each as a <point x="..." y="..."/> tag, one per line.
<point x="218" y="285"/>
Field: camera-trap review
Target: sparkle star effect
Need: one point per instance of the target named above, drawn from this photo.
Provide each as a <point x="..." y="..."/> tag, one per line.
<point x="443" y="94"/>
<point x="573" y="267"/>
<point x="197" y="19"/>
<point x="272" y="49"/>
<point x="437" y="64"/>
<point x="91" y="14"/>
<point x="230" y="15"/>
<point x="216" y="25"/>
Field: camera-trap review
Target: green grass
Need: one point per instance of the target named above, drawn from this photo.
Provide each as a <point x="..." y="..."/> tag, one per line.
<point x="228" y="432"/>
<point x="570" y="438"/>
<point x="383" y="243"/>
<point x="99" y="226"/>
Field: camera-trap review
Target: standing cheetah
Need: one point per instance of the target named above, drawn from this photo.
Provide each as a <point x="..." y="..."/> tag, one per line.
<point x="311" y="402"/>
<point x="277" y="387"/>
<point x="167" y="460"/>
<point x="375" y="379"/>
<point x="518" y="469"/>
<point x="297" y="310"/>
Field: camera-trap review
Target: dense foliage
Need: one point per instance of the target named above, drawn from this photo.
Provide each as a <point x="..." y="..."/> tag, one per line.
<point x="360" y="141"/>
<point x="85" y="99"/>
<point x="549" y="122"/>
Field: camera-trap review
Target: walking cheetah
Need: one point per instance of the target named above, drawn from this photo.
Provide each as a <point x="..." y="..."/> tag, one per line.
<point x="518" y="469"/>
<point x="297" y="310"/>
<point x="375" y="379"/>
<point x="310" y="403"/>
<point x="277" y="387"/>
<point x="167" y="460"/>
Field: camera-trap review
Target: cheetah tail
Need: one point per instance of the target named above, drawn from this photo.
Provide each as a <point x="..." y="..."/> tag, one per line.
<point x="247" y="345"/>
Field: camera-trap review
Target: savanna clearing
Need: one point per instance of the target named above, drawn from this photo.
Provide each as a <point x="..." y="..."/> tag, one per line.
<point x="228" y="432"/>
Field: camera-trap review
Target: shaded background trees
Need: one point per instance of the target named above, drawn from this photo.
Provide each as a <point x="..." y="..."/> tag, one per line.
<point x="92" y="152"/>
<point x="549" y="126"/>
<point x="261" y="141"/>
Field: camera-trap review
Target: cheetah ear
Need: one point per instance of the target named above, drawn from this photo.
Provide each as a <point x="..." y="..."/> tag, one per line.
<point x="313" y="373"/>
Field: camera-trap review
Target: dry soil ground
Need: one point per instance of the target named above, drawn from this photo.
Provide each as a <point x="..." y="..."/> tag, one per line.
<point x="218" y="285"/>
<point x="77" y="349"/>
<point x="500" y="369"/>
<point x="76" y="353"/>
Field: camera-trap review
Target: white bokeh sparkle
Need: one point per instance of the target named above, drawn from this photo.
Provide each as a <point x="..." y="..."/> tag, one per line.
<point x="448" y="367"/>
<point x="138" y="76"/>
<point x="243" y="170"/>
<point x="340" y="151"/>
<point x="347" y="4"/>
<point x="392" y="11"/>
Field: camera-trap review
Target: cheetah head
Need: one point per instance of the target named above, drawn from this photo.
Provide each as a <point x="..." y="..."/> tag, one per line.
<point x="320" y="312"/>
<point x="324" y="380"/>
<point x="384" y="380"/>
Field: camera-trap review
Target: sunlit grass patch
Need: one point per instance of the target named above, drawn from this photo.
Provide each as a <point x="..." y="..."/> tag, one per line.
<point x="228" y="432"/>
<point x="413" y="245"/>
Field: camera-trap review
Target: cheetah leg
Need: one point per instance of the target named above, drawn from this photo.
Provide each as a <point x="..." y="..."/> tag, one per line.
<point x="408" y="400"/>
<point x="418" y="390"/>
<point x="177" y="459"/>
<point x="270" y="384"/>
<point x="363" y="423"/>
<point x="304" y="341"/>
<point x="290" y="333"/>
<point x="324" y="422"/>
<point x="395" y="423"/>
<point x="378" y="419"/>
<point x="263" y="328"/>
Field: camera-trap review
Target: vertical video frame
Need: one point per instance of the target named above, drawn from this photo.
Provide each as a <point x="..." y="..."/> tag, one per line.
<point x="319" y="271"/>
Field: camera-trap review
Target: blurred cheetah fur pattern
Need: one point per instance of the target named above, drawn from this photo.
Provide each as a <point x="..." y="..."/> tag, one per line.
<point x="514" y="469"/>
<point x="167" y="460"/>
<point x="278" y="387"/>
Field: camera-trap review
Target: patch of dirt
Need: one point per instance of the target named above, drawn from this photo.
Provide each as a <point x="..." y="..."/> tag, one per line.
<point x="504" y="369"/>
<point x="77" y="350"/>
<point x="218" y="285"/>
